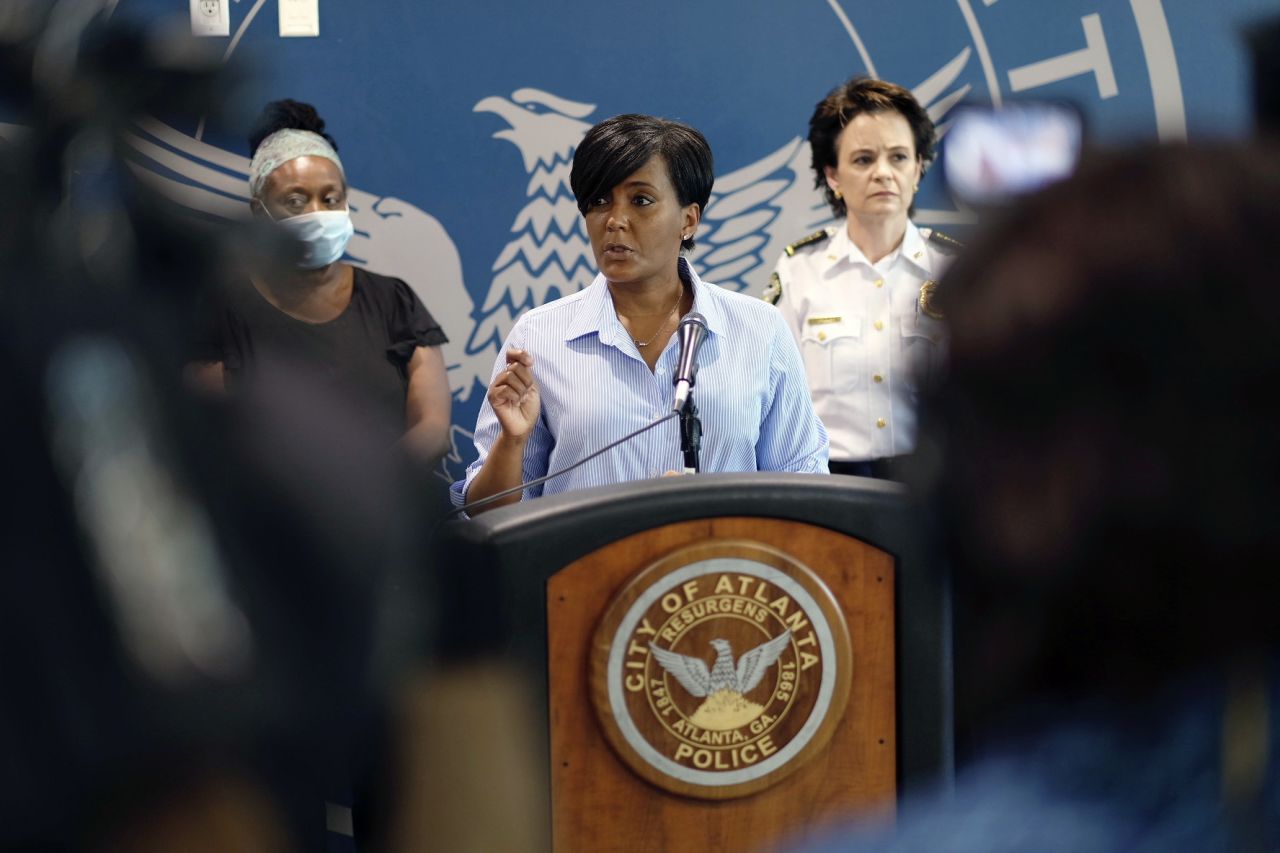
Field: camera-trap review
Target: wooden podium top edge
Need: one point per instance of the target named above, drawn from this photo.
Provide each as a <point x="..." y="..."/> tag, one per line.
<point x="697" y="488"/>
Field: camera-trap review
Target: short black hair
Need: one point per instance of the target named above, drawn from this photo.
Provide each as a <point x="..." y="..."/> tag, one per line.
<point x="618" y="146"/>
<point x="287" y="115"/>
<point x="853" y="97"/>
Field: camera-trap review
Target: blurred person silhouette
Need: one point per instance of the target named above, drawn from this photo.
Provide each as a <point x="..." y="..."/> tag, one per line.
<point x="1103" y="458"/>
<point x="369" y="332"/>
<point x="204" y="605"/>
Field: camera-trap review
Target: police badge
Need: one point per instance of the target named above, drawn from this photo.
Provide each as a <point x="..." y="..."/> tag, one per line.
<point x="927" y="301"/>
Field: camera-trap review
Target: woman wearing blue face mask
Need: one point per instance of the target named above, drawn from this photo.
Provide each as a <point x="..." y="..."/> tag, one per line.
<point x="366" y="332"/>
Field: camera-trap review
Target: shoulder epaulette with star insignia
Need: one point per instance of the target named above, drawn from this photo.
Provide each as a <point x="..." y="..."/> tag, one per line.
<point x="805" y="241"/>
<point x="948" y="245"/>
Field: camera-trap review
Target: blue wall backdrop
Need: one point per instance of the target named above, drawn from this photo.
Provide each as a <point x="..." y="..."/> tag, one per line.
<point x="457" y="120"/>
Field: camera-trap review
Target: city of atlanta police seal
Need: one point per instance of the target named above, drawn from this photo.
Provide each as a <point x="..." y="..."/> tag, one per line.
<point x="720" y="669"/>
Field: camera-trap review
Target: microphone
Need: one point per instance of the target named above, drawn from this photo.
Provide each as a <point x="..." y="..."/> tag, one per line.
<point x="565" y="470"/>
<point x="692" y="332"/>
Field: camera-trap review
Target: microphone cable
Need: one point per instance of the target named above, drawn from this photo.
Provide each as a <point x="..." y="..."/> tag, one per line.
<point x="583" y="461"/>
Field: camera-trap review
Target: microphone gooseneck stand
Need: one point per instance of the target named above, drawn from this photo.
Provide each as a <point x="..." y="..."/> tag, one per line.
<point x="690" y="435"/>
<point x="692" y="331"/>
<point x="566" y="469"/>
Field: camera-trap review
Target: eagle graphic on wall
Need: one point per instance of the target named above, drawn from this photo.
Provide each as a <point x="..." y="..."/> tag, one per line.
<point x="753" y="214"/>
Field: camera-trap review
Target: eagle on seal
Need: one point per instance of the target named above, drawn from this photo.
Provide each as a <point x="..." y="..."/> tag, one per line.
<point x="693" y="675"/>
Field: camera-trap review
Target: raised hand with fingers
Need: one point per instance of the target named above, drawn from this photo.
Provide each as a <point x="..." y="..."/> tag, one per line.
<point x="513" y="394"/>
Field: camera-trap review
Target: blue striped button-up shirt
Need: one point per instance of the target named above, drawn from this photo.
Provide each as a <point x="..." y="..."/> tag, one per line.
<point x="595" y="388"/>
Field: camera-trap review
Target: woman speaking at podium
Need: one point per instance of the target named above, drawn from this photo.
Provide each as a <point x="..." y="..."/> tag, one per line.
<point x="589" y="368"/>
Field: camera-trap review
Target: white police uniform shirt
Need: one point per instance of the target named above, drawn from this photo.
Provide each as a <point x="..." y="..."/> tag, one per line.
<point x="866" y="341"/>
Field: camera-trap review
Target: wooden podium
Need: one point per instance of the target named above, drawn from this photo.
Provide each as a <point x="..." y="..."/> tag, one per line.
<point x="728" y="660"/>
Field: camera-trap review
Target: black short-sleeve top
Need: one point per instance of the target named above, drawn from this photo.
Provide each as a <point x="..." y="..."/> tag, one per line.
<point x="366" y="348"/>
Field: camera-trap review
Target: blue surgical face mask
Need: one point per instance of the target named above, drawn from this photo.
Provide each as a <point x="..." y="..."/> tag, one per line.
<point x="324" y="235"/>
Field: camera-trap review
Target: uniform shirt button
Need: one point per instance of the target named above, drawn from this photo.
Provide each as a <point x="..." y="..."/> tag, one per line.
<point x="880" y="422"/>
<point x="879" y="326"/>
<point x="877" y="378"/>
<point x="879" y="282"/>
<point x="822" y="336"/>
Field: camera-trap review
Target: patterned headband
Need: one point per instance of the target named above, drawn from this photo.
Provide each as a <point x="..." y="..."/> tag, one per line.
<point x="281" y="147"/>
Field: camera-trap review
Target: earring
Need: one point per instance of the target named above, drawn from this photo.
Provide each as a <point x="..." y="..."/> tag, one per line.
<point x="916" y="188"/>
<point x="839" y="195"/>
<point x="685" y="236"/>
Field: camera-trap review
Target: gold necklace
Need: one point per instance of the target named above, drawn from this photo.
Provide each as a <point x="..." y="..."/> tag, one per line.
<point x="663" y="327"/>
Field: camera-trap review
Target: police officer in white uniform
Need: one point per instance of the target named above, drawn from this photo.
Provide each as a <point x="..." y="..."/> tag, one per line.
<point x="859" y="297"/>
